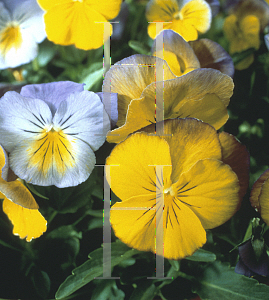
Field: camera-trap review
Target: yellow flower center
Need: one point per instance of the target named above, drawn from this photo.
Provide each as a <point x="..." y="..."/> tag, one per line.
<point x="10" y="37"/>
<point x="52" y="149"/>
<point x="171" y="191"/>
<point x="178" y="15"/>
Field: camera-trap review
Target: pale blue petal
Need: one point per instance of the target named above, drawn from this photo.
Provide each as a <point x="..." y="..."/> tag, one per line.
<point x="83" y="116"/>
<point x="4" y="16"/>
<point x="30" y="17"/>
<point x="26" y="52"/>
<point x="52" y="93"/>
<point x="110" y="101"/>
<point x="59" y="173"/>
<point x="21" y="118"/>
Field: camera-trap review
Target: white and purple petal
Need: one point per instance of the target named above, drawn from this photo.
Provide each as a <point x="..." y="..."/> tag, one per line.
<point x="52" y="93"/>
<point x="82" y="115"/>
<point x="21" y="118"/>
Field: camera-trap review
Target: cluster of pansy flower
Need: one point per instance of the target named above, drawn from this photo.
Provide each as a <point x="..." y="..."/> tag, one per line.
<point x="26" y="23"/>
<point x="50" y="132"/>
<point x="204" y="174"/>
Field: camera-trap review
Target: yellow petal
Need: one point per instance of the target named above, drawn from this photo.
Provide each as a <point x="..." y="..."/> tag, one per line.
<point x="132" y="165"/>
<point x="230" y="28"/>
<point x="186" y="30"/>
<point x="245" y="63"/>
<point x="209" y="109"/>
<point x="256" y="8"/>
<point x="256" y="190"/>
<point x="196" y="14"/>
<point x="211" y="55"/>
<point x="211" y="190"/>
<point x="264" y="201"/>
<point x="177" y="53"/>
<point x="47" y="4"/>
<point x="27" y="223"/>
<point x="242" y="33"/>
<point x="194" y="88"/>
<point x="130" y="76"/>
<point x="191" y="140"/>
<point x="183" y="231"/>
<point x="109" y="9"/>
<point x="250" y="27"/>
<point x="134" y="222"/>
<point x="16" y="192"/>
<point x="159" y="10"/>
<point x="3" y="163"/>
<point x="236" y="156"/>
<point x="75" y="23"/>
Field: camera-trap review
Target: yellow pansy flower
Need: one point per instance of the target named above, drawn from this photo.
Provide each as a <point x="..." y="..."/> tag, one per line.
<point x="202" y="93"/>
<point x="243" y="26"/>
<point x="78" y="22"/>
<point x="183" y="57"/>
<point x="201" y="183"/>
<point x="185" y="17"/>
<point x="19" y="204"/>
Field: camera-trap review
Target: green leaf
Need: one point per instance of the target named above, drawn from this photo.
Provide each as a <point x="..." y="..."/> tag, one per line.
<point x="144" y="291"/>
<point x="64" y="232"/>
<point x="174" y="264"/>
<point x="107" y="290"/>
<point x="41" y="282"/>
<point x="93" y="268"/>
<point x="139" y="47"/>
<point x="34" y="190"/>
<point x="91" y="79"/>
<point x="46" y="53"/>
<point x="219" y="281"/>
<point x="202" y="255"/>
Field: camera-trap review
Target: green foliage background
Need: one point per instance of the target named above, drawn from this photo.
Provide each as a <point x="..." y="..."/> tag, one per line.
<point x="65" y="260"/>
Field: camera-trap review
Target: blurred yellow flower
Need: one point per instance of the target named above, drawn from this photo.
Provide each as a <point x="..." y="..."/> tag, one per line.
<point x="202" y="93"/>
<point x="19" y="204"/>
<point x="201" y="183"/>
<point x="78" y="22"/>
<point x="243" y="26"/>
<point x="185" y="17"/>
<point x="242" y="34"/>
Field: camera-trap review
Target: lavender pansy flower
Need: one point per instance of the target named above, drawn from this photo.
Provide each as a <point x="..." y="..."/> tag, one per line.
<point x="51" y="132"/>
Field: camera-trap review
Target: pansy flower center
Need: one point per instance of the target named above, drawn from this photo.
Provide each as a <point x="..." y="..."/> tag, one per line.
<point x="171" y="191"/>
<point x="178" y="15"/>
<point x="10" y="37"/>
<point x="52" y="148"/>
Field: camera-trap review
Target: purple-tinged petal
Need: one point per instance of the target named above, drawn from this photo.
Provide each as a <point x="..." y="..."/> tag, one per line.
<point x="21" y="118"/>
<point x="110" y="101"/>
<point x="212" y="55"/>
<point x="248" y="258"/>
<point x="242" y="269"/>
<point x="52" y="93"/>
<point x="30" y="17"/>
